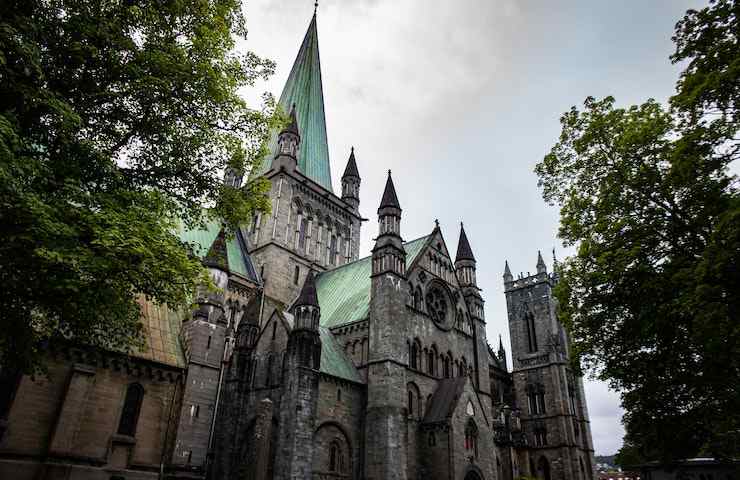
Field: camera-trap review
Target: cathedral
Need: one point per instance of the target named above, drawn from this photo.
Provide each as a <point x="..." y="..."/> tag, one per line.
<point x="309" y="362"/>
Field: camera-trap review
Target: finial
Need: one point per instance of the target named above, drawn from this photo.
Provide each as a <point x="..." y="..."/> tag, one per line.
<point x="352" y="150"/>
<point x="436" y="222"/>
<point x="315" y="6"/>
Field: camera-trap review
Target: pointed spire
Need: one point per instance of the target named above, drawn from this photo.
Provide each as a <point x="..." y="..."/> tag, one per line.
<point x="308" y="292"/>
<point x="216" y="256"/>
<point x="508" y="277"/>
<point x="500" y="345"/>
<point x="390" y="199"/>
<point x="464" y="252"/>
<point x="304" y="90"/>
<point x="541" y="267"/>
<point x="351" y="169"/>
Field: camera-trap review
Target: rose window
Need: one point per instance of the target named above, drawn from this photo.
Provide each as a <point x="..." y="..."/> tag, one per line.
<point x="437" y="305"/>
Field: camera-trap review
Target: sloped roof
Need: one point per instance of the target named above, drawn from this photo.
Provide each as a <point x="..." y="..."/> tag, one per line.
<point x="334" y="361"/>
<point x="344" y="293"/>
<point x="304" y="90"/>
<point x="351" y="169"/>
<point x="236" y="249"/>
<point x="390" y="199"/>
<point x="161" y="334"/>
<point x="444" y="399"/>
<point x="464" y="252"/>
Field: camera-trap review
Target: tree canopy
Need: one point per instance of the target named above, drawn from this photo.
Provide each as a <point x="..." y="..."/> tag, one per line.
<point x="117" y="121"/>
<point x="651" y="297"/>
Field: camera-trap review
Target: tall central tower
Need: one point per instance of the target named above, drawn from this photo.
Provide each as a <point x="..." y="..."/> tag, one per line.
<point x="309" y="227"/>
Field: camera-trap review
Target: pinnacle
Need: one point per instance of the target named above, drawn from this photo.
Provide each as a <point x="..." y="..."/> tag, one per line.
<point x="216" y="256"/>
<point x="464" y="252"/>
<point x="308" y="292"/>
<point x="390" y="199"/>
<point x="507" y="271"/>
<point x="540" y="261"/>
<point x="293" y="125"/>
<point x="351" y="169"/>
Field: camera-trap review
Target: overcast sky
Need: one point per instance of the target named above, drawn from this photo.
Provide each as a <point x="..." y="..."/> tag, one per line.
<point x="461" y="98"/>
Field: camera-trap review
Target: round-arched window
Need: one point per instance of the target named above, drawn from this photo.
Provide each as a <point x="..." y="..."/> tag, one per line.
<point x="437" y="302"/>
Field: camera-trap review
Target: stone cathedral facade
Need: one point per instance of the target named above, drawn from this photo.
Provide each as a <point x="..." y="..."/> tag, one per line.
<point x="313" y="363"/>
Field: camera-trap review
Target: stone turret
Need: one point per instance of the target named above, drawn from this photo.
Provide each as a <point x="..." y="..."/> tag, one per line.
<point x="388" y="253"/>
<point x="300" y="394"/>
<point x="204" y="342"/>
<point x="465" y="265"/>
<point x="289" y="142"/>
<point x="541" y="267"/>
<point x="386" y="447"/>
<point x="351" y="182"/>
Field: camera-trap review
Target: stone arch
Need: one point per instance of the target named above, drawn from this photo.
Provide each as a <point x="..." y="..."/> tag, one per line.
<point x="333" y="451"/>
<point x="473" y="472"/>
<point x="415" y="358"/>
<point x="432" y="360"/>
<point x="543" y="468"/>
<point x="418" y="299"/>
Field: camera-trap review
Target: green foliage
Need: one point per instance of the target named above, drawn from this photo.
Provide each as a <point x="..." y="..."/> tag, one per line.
<point x="651" y="296"/>
<point x="117" y="119"/>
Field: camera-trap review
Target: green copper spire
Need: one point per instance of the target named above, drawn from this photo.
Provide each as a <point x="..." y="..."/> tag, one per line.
<point x="303" y="89"/>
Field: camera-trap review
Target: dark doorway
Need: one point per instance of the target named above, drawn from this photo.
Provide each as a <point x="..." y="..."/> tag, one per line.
<point x="543" y="469"/>
<point x="473" y="475"/>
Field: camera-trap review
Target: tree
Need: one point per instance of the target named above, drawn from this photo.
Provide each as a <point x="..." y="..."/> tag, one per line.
<point x="117" y="119"/>
<point x="651" y="297"/>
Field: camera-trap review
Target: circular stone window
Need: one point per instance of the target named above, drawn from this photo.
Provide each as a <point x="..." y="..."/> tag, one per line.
<point x="438" y="306"/>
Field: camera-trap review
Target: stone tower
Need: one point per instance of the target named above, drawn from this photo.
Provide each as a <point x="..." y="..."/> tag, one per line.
<point x="549" y="394"/>
<point x="203" y="339"/>
<point x="309" y="227"/>
<point x="386" y="448"/>
<point x="298" y="405"/>
<point x="465" y="269"/>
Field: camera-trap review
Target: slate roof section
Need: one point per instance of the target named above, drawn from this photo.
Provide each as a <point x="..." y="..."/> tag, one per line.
<point x="344" y="293"/>
<point x="308" y="292"/>
<point x="444" y="400"/>
<point x="161" y="334"/>
<point x="238" y="259"/>
<point x="334" y="361"/>
<point x="390" y="199"/>
<point x="464" y="252"/>
<point x="351" y="169"/>
<point x="304" y="90"/>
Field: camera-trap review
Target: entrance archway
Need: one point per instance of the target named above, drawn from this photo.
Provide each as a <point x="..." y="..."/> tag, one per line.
<point x="543" y="469"/>
<point x="472" y="475"/>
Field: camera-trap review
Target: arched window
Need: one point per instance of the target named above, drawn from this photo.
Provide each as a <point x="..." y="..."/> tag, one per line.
<point x="447" y="370"/>
<point x="336" y="458"/>
<point x="415" y="355"/>
<point x="418" y="304"/>
<point x="413" y="401"/>
<point x="333" y="250"/>
<point x="471" y="438"/>
<point x="531" y="332"/>
<point x="131" y="409"/>
<point x="302" y="228"/>
<point x="431" y="355"/>
<point x="296" y="274"/>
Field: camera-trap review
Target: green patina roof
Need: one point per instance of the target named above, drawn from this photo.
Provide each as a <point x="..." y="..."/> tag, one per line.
<point x="236" y="252"/>
<point x="344" y="293"/>
<point x="334" y="361"/>
<point x="303" y="89"/>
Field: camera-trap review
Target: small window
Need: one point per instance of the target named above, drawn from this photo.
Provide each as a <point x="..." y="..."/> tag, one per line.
<point x="208" y="345"/>
<point x="296" y="274"/>
<point x="339" y="394"/>
<point x="274" y="329"/>
<point x="432" y="439"/>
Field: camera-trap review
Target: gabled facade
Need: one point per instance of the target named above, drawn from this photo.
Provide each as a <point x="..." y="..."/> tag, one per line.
<point x="312" y="363"/>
